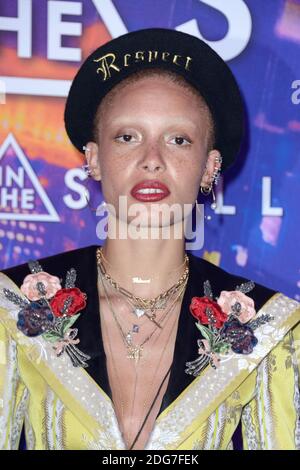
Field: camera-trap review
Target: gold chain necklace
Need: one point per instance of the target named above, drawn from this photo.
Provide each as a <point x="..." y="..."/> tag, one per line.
<point x="134" y="351"/>
<point x="138" y="280"/>
<point x="135" y="384"/>
<point x="142" y="304"/>
<point x="136" y="327"/>
<point x="146" y="400"/>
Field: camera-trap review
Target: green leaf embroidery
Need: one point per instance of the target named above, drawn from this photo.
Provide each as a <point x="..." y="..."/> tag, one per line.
<point x="52" y="336"/>
<point x="205" y="332"/>
<point x="68" y="322"/>
<point x="222" y="347"/>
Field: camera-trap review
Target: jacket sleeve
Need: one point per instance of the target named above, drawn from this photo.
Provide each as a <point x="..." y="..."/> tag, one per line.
<point x="270" y="421"/>
<point x="13" y="393"/>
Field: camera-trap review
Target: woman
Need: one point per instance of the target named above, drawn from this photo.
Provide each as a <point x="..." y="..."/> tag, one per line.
<point x="174" y="351"/>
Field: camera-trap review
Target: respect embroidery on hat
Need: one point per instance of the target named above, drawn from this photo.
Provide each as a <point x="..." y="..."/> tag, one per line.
<point x="109" y="61"/>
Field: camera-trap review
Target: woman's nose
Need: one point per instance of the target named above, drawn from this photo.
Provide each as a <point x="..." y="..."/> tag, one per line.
<point x="152" y="159"/>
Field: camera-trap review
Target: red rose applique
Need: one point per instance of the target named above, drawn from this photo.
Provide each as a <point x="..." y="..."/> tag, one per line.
<point x="68" y="302"/>
<point x="207" y="312"/>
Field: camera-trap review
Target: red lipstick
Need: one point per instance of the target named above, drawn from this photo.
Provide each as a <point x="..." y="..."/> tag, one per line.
<point x="150" y="190"/>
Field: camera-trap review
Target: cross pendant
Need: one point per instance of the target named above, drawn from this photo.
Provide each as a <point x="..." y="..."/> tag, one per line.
<point x="135" y="352"/>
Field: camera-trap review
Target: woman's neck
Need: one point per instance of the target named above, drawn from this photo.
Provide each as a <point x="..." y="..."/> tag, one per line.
<point x="144" y="267"/>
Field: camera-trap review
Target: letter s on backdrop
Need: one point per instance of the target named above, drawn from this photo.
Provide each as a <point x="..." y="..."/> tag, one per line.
<point x="78" y="188"/>
<point x="239" y="27"/>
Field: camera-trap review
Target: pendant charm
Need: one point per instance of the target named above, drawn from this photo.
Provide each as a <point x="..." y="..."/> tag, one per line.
<point x="139" y="312"/>
<point x="135" y="328"/>
<point x="135" y="352"/>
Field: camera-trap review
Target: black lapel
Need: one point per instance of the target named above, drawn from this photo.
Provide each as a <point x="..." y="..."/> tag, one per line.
<point x="186" y="348"/>
<point x="89" y="325"/>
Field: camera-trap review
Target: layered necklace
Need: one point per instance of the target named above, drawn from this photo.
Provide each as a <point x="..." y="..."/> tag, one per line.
<point x="134" y="351"/>
<point x="141" y="306"/>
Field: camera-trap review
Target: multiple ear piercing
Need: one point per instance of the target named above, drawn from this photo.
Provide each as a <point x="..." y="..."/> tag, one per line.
<point x="215" y="178"/>
<point x="86" y="168"/>
<point x="89" y="173"/>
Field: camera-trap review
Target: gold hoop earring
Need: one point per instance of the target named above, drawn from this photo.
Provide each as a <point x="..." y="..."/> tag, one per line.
<point x="206" y="190"/>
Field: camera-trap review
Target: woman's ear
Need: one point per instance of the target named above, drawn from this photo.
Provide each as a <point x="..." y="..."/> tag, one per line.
<point x="211" y="166"/>
<point x="92" y="158"/>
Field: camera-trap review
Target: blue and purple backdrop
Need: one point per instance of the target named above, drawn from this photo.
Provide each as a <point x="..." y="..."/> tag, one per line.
<point x="43" y="210"/>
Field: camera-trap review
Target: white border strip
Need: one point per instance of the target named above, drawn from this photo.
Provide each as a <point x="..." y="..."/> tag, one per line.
<point x="36" y="86"/>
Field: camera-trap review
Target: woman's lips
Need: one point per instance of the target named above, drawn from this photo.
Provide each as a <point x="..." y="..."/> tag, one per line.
<point x="150" y="190"/>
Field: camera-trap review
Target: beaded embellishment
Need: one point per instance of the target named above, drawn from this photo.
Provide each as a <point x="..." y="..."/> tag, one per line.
<point x="50" y="311"/>
<point x="226" y="323"/>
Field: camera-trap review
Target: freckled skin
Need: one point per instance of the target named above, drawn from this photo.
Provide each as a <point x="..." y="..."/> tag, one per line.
<point x="168" y="129"/>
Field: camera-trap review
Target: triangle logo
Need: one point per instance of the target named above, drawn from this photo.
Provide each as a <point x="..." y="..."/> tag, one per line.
<point x="22" y="197"/>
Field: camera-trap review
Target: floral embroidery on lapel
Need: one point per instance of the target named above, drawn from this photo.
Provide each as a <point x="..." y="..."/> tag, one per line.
<point x="50" y="310"/>
<point x="226" y="323"/>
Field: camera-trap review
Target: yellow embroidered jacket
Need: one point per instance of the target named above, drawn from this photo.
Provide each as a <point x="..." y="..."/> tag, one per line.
<point x="67" y="407"/>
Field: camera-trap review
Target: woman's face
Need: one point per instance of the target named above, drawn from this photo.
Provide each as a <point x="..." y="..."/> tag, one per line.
<point x="152" y="129"/>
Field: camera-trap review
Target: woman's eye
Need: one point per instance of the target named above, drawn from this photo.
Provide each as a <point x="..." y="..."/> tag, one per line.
<point x="126" y="137"/>
<point x="180" y="140"/>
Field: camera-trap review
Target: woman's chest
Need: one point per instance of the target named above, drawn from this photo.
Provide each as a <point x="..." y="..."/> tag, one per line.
<point x="138" y="365"/>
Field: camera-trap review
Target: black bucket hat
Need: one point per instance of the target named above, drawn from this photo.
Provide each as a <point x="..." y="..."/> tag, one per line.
<point x="162" y="48"/>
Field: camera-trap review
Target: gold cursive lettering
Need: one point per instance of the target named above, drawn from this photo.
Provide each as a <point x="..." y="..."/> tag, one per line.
<point x="125" y="59"/>
<point x="175" y="59"/>
<point x="139" y="55"/>
<point x="164" y="56"/>
<point x="188" y="60"/>
<point x="150" y="55"/>
<point x="107" y="63"/>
